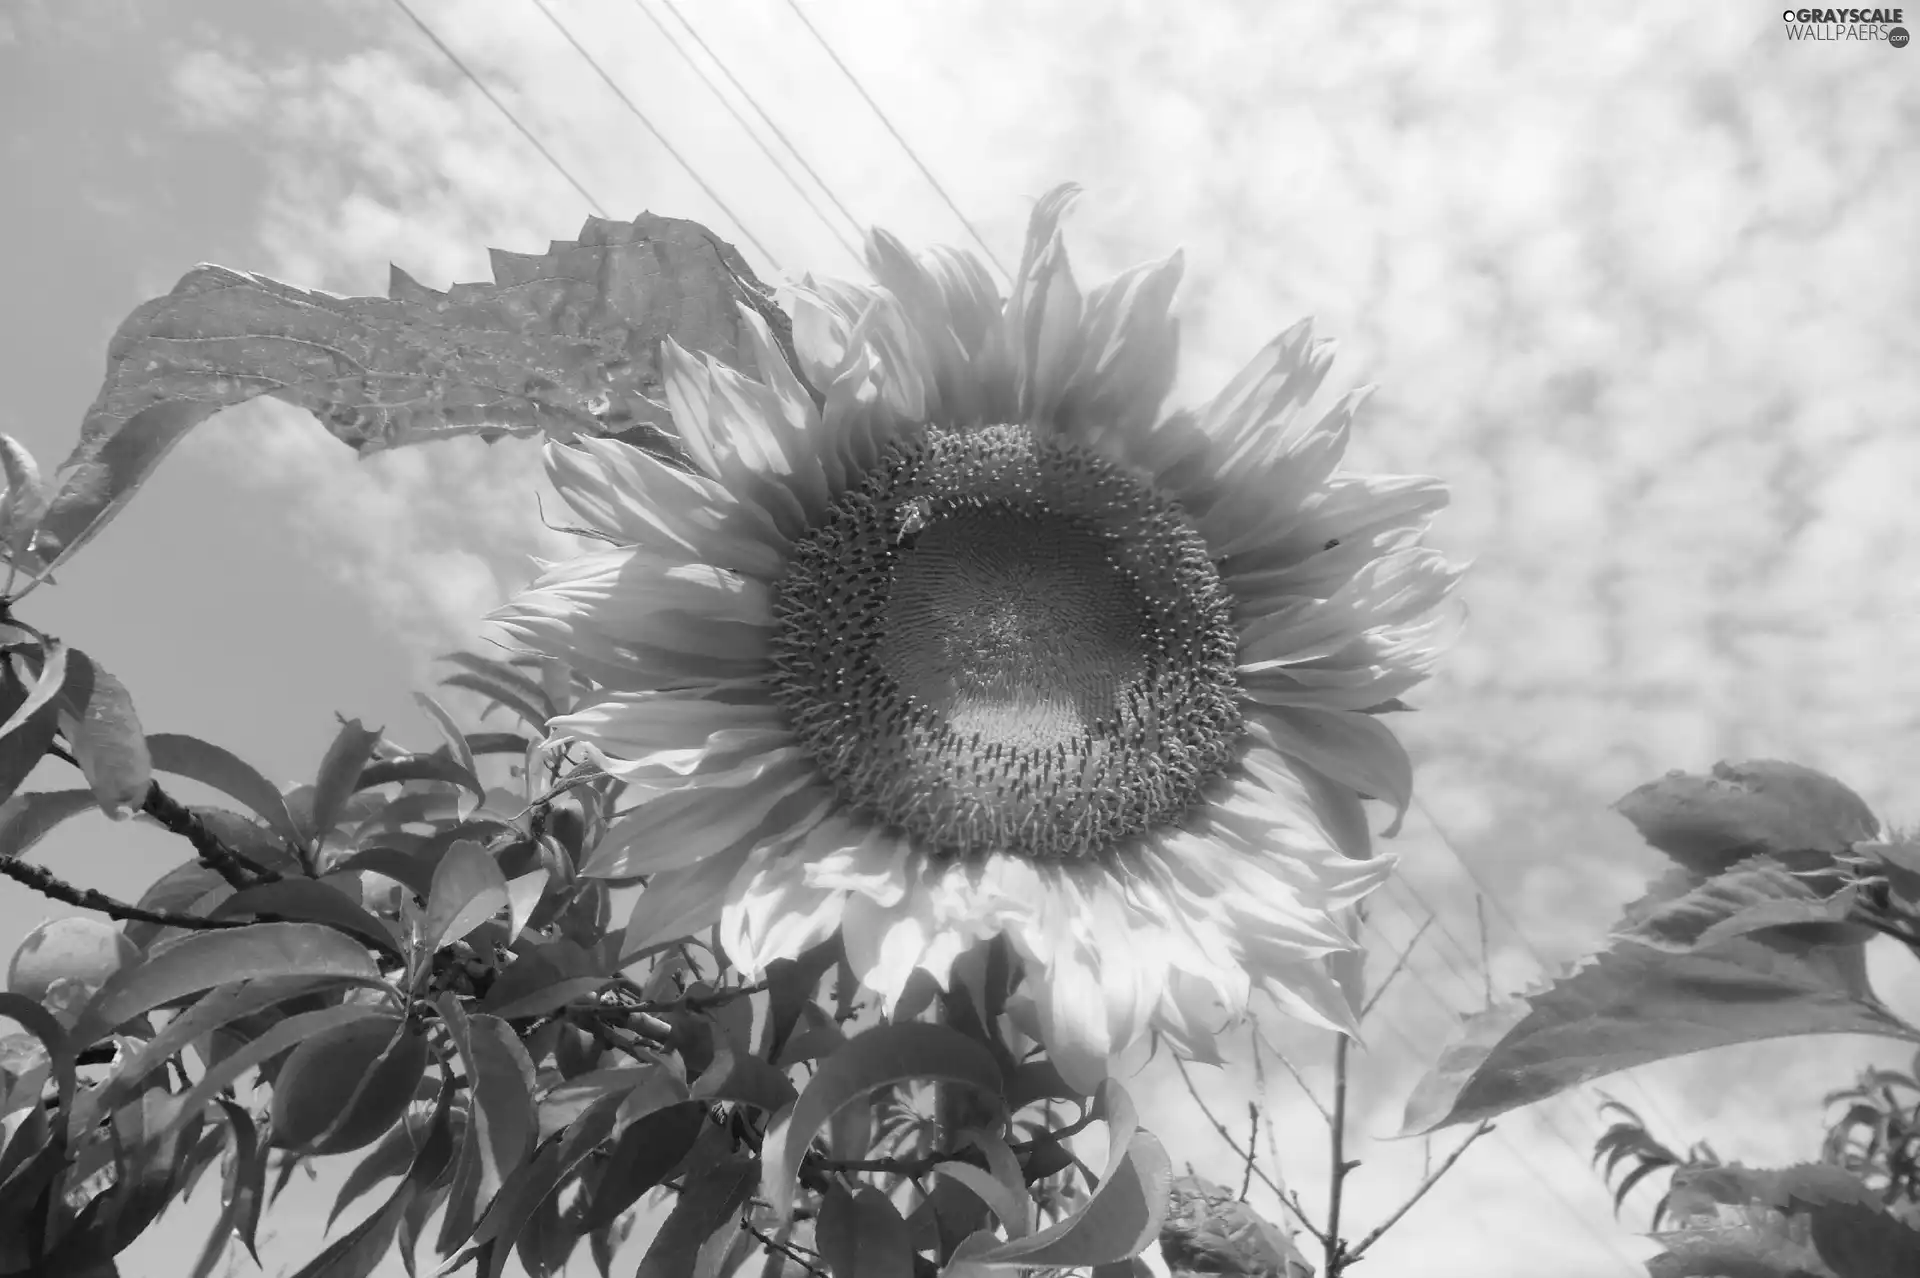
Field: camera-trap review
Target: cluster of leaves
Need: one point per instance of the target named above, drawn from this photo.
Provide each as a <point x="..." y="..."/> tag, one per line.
<point x="1780" y="878"/>
<point x="400" y="957"/>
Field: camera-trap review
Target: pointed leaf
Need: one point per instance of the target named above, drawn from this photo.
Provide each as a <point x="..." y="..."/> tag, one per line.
<point x="25" y="819"/>
<point x="501" y="1123"/>
<point x="240" y="1196"/>
<point x="438" y="766"/>
<point x="218" y="1007"/>
<point x="174" y="969"/>
<point x="52" y="677"/>
<point x="226" y="772"/>
<point x="862" y="1235"/>
<point x="1118" y="1219"/>
<point x="712" y="1198"/>
<point x="391" y="1157"/>
<point x="1633" y="1005"/>
<point x="26" y="499"/>
<point x="468" y="889"/>
<point x="456" y="739"/>
<point x="877" y="1058"/>
<point x="502" y="692"/>
<point x="646" y="1152"/>
<point x="22" y="749"/>
<point x="533" y="1184"/>
<point x="282" y="1037"/>
<point x="97" y="718"/>
<point x="310" y="901"/>
<point x="523" y="897"/>
<point x="339" y="777"/>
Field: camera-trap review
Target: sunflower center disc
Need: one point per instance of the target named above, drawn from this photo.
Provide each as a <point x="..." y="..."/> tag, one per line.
<point x="1000" y="643"/>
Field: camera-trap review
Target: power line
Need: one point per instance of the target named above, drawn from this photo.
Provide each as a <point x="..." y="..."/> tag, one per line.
<point x="911" y="154"/>
<point x="641" y="116"/>
<point x="858" y="226"/>
<point x="500" y="106"/>
<point x="741" y="120"/>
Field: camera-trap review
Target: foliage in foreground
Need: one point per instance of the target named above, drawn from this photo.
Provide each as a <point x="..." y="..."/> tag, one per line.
<point x="415" y="960"/>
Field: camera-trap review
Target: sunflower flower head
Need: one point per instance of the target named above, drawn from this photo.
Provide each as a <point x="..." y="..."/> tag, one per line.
<point x="972" y="640"/>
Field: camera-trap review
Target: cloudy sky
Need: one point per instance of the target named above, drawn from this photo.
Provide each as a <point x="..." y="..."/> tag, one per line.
<point x="1638" y="279"/>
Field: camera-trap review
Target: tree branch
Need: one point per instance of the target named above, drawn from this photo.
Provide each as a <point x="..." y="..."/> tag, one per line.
<point x="48" y="884"/>
<point x="1335" y="1249"/>
<point x="1292" y="1204"/>
<point x="1359" y="1249"/>
<point x="239" y="870"/>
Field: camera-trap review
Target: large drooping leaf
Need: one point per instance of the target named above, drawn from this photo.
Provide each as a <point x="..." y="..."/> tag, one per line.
<point x="1757" y="893"/>
<point x="220" y="768"/>
<point x="203" y="960"/>
<point x="1118" y="1220"/>
<point x="501" y="1121"/>
<point x="709" y="1204"/>
<point x="861" y="1235"/>
<point x="881" y="1056"/>
<point x="1762" y="807"/>
<point x="563" y="343"/>
<point x="1633" y="1004"/>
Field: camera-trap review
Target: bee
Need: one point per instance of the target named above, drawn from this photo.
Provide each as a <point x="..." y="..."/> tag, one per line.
<point x="910" y="518"/>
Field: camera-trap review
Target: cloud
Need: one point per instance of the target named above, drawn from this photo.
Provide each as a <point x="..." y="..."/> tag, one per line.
<point x="1634" y="278"/>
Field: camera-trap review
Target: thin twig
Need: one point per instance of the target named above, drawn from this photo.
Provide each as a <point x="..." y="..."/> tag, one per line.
<point x="48" y="884"/>
<point x="1253" y="1140"/>
<point x="1399" y="964"/>
<point x="1486" y="965"/>
<point x="1292" y="1203"/>
<point x="774" y="1245"/>
<point x="1360" y="1248"/>
<point x="913" y="1168"/>
<point x="1325" y="1113"/>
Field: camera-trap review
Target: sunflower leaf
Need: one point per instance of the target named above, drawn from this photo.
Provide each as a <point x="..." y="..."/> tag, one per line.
<point x="1757" y="893"/>
<point x="1633" y="1005"/>
<point x="1763" y="807"/>
<point x="419" y="365"/>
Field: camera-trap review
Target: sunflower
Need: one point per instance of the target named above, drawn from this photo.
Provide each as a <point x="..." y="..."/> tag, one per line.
<point x="974" y="641"/>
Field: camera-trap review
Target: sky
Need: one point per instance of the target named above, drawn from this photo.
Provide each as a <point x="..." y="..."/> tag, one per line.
<point x="1637" y="279"/>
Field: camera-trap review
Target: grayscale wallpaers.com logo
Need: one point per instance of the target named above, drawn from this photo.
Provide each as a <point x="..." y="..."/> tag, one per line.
<point x="1847" y="24"/>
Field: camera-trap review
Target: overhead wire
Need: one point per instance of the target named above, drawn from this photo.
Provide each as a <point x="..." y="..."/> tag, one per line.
<point x="887" y="123"/>
<point x="500" y="106"/>
<point x="773" y="126"/>
<point x="658" y="136"/>
<point x="674" y="43"/>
